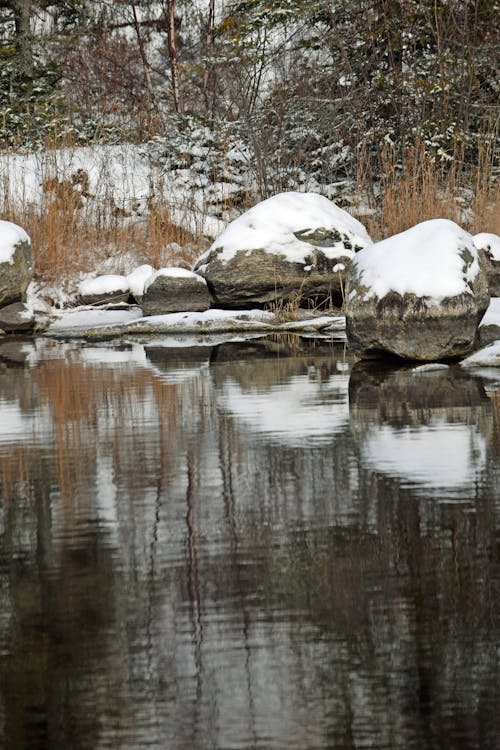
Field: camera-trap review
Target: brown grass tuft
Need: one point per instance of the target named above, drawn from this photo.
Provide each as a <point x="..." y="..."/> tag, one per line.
<point x="423" y="189"/>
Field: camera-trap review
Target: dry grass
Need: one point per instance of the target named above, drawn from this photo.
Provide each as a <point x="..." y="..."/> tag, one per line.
<point x="423" y="189"/>
<point x="72" y="235"/>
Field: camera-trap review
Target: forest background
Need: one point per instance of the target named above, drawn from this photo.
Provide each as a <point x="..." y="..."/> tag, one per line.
<point x="388" y="107"/>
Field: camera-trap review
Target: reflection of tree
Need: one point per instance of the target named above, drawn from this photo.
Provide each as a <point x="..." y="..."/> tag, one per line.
<point x="247" y="589"/>
<point x="61" y="620"/>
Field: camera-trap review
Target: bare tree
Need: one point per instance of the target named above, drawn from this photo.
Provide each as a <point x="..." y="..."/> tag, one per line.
<point x="209" y="72"/>
<point x="21" y="13"/>
<point x="169" y="8"/>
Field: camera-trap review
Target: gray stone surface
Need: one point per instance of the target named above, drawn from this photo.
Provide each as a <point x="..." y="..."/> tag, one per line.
<point x="15" y="276"/>
<point x="255" y="277"/>
<point x="172" y="293"/>
<point x="16" y="318"/>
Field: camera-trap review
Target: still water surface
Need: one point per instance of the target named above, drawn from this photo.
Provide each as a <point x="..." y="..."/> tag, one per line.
<point x="246" y="545"/>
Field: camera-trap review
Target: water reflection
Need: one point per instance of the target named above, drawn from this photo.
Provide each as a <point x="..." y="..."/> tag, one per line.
<point x="244" y="546"/>
<point x="425" y="428"/>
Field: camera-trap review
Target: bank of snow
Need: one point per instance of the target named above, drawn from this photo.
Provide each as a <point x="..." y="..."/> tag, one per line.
<point x="109" y="324"/>
<point x="487" y="357"/>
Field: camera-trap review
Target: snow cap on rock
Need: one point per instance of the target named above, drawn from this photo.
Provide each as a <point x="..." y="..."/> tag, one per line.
<point x="435" y="259"/>
<point x="488" y="242"/>
<point x="173" y="272"/>
<point x="104" y="285"/>
<point x="281" y="224"/>
<point x="10" y="236"/>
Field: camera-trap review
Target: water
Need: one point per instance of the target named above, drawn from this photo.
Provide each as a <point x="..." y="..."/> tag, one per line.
<point x="246" y="545"/>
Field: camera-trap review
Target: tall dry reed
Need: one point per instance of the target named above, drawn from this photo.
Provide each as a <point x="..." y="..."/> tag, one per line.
<point x="419" y="187"/>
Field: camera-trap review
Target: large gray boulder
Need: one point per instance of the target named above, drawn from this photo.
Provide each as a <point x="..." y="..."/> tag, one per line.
<point x="293" y="246"/>
<point x="175" y="290"/>
<point x="419" y="295"/>
<point x="489" y="244"/>
<point x="16" y="263"/>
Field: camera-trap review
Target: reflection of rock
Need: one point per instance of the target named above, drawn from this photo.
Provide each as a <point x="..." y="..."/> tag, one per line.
<point x="180" y="363"/>
<point x="15" y="351"/>
<point x="421" y="427"/>
<point x="288" y="397"/>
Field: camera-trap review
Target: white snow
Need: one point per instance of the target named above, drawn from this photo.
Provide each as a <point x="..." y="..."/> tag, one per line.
<point x="270" y="225"/>
<point x="83" y="319"/>
<point x="423" y="260"/>
<point x="492" y="315"/>
<point x="10" y="236"/>
<point x="487" y="357"/>
<point x="137" y="279"/>
<point x="115" y="323"/>
<point x="488" y="242"/>
<point x="174" y="272"/>
<point x="104" y="285"/>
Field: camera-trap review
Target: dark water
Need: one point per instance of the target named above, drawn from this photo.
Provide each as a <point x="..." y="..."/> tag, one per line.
<point x="249" y="545"/>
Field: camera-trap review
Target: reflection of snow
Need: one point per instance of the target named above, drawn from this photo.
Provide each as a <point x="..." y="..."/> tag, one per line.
<point x="297" y="410"/>
<point x="105" y="355"/>
<point x="16" y="425"/>
<point x="441" y="456"/>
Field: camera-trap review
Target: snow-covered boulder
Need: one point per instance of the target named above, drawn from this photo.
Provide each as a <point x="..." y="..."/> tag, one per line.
<point x="171" y="290"/>
<point x="16" y="263"/>
<point x="290" y="244"/>
<point x="489" y="244"/>
<point x="418" y="295"/>
<point x="103" y="290"/>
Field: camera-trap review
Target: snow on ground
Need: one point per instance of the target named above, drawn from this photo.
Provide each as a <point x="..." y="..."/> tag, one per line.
<point x="271" y="225"/>
<point x="487" y="357"/>
<point x="488" y="242"/>
<point x="424" y="260"/>
<point x="10" y="236"/>
<point x="109" y="179"/>
<point x="94" y="324"/>
<point x="492" y="314"/>
<point x="84" y="318"/>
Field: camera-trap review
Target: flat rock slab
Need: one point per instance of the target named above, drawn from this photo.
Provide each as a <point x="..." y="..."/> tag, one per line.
<point x="16" y="318"/>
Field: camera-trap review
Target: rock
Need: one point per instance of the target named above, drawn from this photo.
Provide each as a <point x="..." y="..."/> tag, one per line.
<point x="16" y="318"/>
<point x="172" y="290"/>
<point x="419" y="295"/>
<point x="489" y="244"/>
<point x="16" y="263"/>
<point x="293" y="245"/>
<point x="103" y="290"/>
